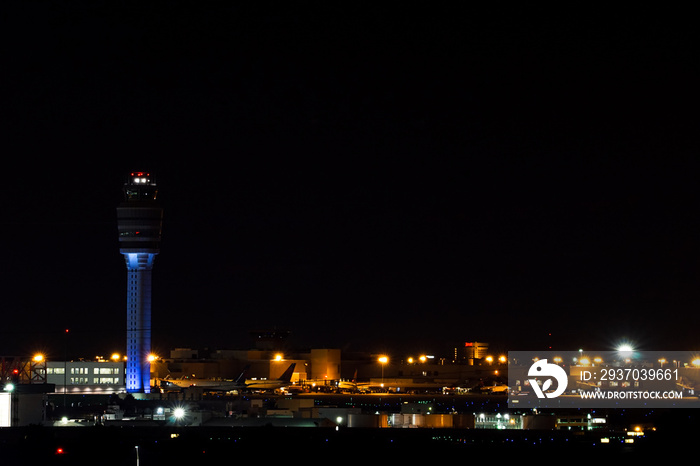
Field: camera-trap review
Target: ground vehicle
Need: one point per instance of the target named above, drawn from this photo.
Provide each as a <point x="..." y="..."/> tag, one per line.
<point x="495" y="389"/>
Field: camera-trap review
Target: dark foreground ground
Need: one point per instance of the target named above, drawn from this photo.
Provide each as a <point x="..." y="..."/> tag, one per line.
<point x="671" y="432"/>
<point x="203" y="445"/>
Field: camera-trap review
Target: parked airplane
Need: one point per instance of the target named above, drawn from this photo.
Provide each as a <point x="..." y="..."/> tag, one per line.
<point x="283" y="380"/>
<point x="240" y="384"/>
<point x="353" y="385"/>
<point x="222" y="385"/>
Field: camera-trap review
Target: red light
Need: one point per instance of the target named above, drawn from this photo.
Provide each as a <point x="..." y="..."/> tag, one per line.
<point x="59" y="451"/>
<point x="15" y="371"/>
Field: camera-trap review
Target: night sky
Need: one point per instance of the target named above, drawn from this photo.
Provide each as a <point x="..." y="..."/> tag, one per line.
<point x="374" y="179"/>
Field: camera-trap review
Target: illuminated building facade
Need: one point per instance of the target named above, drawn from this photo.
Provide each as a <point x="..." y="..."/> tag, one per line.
<point x="471" y="352"/>
<point x="86" y="376"/>
<point x="139" y="221"/>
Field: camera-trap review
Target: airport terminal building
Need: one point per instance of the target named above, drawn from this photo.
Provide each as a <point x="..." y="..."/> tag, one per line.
<point x="100" y="377"/>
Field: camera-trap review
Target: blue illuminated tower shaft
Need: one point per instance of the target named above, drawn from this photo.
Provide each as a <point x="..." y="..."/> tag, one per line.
<point x="138" y="321"/>
<point x="139" y="220"/>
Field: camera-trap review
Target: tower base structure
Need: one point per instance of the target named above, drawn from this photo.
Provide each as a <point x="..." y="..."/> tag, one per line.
<point x="138" y="330"/>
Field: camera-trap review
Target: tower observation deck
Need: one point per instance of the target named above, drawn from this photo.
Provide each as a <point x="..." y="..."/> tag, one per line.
<point x="139" y="222"/>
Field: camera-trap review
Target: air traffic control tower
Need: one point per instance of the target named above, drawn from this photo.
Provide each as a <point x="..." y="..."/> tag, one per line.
<point x="139" y="221"/>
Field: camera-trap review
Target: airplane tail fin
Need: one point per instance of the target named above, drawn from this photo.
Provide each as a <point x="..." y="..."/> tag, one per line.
<point x="241" y="378"/>
<point x="287" y="375"/>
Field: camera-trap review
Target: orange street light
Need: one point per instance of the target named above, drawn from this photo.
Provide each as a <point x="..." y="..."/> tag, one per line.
<point x="383" y="360"/>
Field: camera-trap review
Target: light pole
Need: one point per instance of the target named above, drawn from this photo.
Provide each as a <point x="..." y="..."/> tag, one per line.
<point x="65" y="370"/>
<point x="383" y="360"/>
